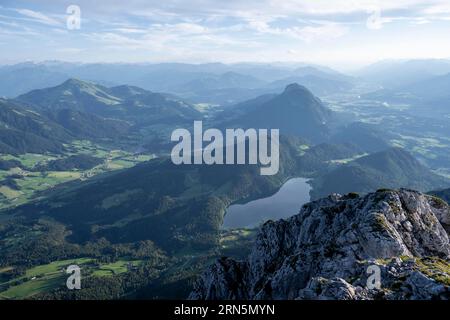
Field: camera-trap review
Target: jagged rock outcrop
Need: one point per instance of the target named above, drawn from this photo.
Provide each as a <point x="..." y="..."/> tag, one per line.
<point x="336" y="247"/>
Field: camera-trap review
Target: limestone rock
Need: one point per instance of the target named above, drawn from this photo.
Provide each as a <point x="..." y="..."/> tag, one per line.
<point x="328" y="249"/>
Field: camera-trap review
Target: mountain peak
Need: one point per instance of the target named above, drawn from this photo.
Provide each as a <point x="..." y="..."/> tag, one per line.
<point x="296" y="112"/>
<point x="76" y="83"/>
<point x="296" y="88"/>
<point x="73" y="81"/>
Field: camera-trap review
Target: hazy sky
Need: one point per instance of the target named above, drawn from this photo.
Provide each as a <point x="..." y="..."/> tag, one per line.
<point x="339" y="33"/>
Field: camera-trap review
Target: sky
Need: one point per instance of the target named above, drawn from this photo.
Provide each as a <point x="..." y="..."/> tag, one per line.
<point x="338" y="33"/>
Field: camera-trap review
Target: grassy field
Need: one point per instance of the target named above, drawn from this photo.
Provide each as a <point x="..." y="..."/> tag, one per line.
<point x="30" y="182"/>
<point x="205" y="107"/>
<point x="40" y="279"/>
<point x="55" y="267"/>
<point x="44" y="278"/>
<point x="29" y="160"/>
<point x="50" y="276"/>
<point x="33" y="287"/>
<point x="9" y="193"/>
<point x="115" y="268"/>
<point x="302" y="149"/>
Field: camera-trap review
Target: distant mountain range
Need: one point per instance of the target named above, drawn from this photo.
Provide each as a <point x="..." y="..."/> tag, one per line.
<point x="215" y="82"/>
<point x="121" y="102"/>
<point x="231" y="87"/>
<point x="430" y="94"/>
<point x="24" y="77"/>
<point x="204" y="83"/>
<point x="318" y="84"/>
<point x="436" y="89"/>
<point x="221" y="81"/>
<point x="392" y="74"/>
<point x="393" y="168"/>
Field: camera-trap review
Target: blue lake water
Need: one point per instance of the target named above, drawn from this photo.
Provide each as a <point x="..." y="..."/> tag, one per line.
<point x="283" y="204"/>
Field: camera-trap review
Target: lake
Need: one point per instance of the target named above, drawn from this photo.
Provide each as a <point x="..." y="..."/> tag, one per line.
<point x="283" y="204"/>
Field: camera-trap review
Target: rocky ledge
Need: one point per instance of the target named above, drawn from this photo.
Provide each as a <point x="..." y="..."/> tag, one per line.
<point x="384" y="245"/>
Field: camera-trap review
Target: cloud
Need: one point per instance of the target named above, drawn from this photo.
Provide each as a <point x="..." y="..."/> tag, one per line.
<point x="326" y="7"/>
<point x="130" y="30"/>
<point x="176" y="9"/>
<point x="437" y="9"/>
<point x="162" y="37"/>
<point x="8" y="24"/>
<point x="229" y="30"/>
<point x="70" y="50"/>
<point x="318" y="30"/>
<point x="38" y="17"/>
<point x="323" y="32"/>
<point x="420" y="21"/>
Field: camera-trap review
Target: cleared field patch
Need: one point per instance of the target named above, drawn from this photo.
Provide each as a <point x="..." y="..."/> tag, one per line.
<point x="118" y="198"/>
<point x="55" y="267"/>
<point x="65" y="175"/>
<point x="115" y="268"/>
<point x="40" y="279"/>
<point x="5" y="269"/>
<point x="9" y="193"/>
<point x="29" y="160"/>
<point x="33" y="182"/>
<point x="33" y="287"/>
<point x="87" y="147"/>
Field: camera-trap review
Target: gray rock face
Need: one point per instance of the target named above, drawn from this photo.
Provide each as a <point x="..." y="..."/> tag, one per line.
<point x="385" y="245"/>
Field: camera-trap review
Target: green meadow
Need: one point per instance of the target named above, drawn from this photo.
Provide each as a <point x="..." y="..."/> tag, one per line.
<point x="51" y="276"/>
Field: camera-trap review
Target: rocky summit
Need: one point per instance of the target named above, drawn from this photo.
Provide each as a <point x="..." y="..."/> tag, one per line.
<point x="335" y="248"/>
